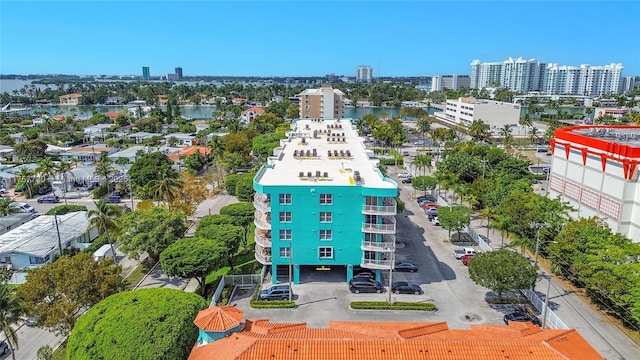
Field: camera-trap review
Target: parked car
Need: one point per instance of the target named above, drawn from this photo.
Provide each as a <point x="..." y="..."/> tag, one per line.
<point x="365" y="275"/>
<point x="431" y="212"/>
<point x="425" y="197"/>
<point x="466" y="251"/>
<point x="3" y="190"/>
<point x="357" y="286"/>
<point x="23" y="207"/>
<point x="405" y="153"/>
<point x="277" y="292"/>
<point x="435" y="221"/>
<point x="403" y="287"/>
<point x="407" y="181"/>
<point x="404" y="175"/>
<point x="118" y="193"/>
<point x="48" y="199"/>
<point x="44" y="190"/>
<point x="428" y="204"/>
<point x="467" y="258"/>
<point x="4" y="347"/>
<point x="405" y="266"/>
<point x="521" y="317"/>
<point x="31" y="321"/>
<point x="113" y="199"/>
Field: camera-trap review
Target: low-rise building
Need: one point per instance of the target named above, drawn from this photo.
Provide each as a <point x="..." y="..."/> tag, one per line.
<point x="12" y="221"/>
<point x="70" y="99"/>
<point x="251" y="113"/>
<point x="464" y="111"/>
<point x="37" y="242"/>
<point x="181" y="139"/>
<point x="87" y="153"/>
<point x="224" y="334"/>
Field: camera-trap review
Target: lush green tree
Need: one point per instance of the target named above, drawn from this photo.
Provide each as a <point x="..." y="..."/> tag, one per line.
<point x="243" y="214"/>
<point x="424" y="183"/>
<point x="423" y="162"/>
<point x="502" y="270"/>
<point x="45" y="353"/>
<point x="59" y="292"/>
<point x="6" y="208"/>
<point x="293" y="111"/>
<point x="31" y="150"/>
<point x="193" y="258"/>
<point x="195" y="162"/>
<point x="146" y="169"/>
<point x="228" y="236"/>
<point x="144" y="324"/>
<point x="455" y="218"/>
<point x="479" y="130"/>
<point x="151" y="230"/>
<point x="166" y="186"/>
<point x="105" y="169"/>
<point x="12" y="307"/>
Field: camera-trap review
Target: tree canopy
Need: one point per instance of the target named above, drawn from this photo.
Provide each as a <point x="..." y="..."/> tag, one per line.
<point x="193" y="258"/>
<point x="144" y="324"/>
<point x="60" y="291"/>
<point x="229" y="236"/>
<point x="502" y="270"/>
<point x="146" y="169"/>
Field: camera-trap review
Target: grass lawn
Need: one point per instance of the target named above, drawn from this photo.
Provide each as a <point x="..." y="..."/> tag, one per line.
<point x="60" y="353"/>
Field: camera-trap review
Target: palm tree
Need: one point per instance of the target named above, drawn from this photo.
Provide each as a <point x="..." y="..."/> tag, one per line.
<point x="6" y="208"/>
<point x="105" y="169"/>
<point x="424" y="126"/>
<point x="478" y="130"/>
<point x="166" y="188"/>
<point x="422" y="162"/>
<point x="104" y="218"/>
<point x="526" y="122"/>
<point x="63" y="168"/>
<point x="505" y="134"/>
<point x="25" y="174"/>
<point x="12" y="307"/>
<point x="46" y="168"/>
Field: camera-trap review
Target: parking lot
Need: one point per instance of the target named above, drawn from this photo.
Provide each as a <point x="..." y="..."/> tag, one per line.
<point x="325" y="296"/>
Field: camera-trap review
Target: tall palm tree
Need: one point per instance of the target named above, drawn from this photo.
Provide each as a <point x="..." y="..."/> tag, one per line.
<point x="105" y="169"/>
<point x="166" y="187"/>
<point x="479" y="130"/>
<point x="104" y="218"/>
<point x="534" y="136"/>
<point x="6" y="208"/>
<point x="25" y="174"/>
<point x="422" y="162"/>
<point x="46" y="168"/>
<point x="62" y="169"/>
<point x="526" y="122"/>
<point x="423" y="126"/>
<point x="505" y="134"/>
<point x="12" y="307"/>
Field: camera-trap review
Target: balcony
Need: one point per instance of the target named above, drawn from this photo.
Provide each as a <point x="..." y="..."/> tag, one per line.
<point x="262" y="220"/>
<point x="264" y="206"/>
<point x="262" y="256"/>
<point x="376" y="264"/>
<point x="387" y="227"/>
<point x="379" y="246"/>
<point x="379" y="210"/>
<point x="263" y="238"/>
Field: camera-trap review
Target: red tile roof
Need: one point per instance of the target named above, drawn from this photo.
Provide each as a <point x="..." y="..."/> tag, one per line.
<point x="190" y="150"/>
<point x="261" y="339"/>
<point x="255" y="109"/>
<point x="219" y="318"/>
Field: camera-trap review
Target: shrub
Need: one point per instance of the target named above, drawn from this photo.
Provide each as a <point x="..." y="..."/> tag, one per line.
<point x="100" y="191"/>
<point x="273" y="304"/>
<point x="65" y="209"/>
<point x="383" y="305"/>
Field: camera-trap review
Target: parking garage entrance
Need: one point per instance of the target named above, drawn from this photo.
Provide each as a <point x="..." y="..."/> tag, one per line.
<point x="314" y="273"/>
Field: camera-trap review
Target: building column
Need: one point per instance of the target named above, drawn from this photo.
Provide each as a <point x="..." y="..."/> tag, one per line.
<point x="296" y="274"/>
<point x="349" y="272"/>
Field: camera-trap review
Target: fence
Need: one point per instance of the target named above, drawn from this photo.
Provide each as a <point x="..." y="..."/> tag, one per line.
<point x="235" y="280"/>
<point x="552" y="319"/>
<point x="478" y="239"/>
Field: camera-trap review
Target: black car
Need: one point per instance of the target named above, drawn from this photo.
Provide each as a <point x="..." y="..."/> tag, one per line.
<point x="403" y="287"/>
<point x="407" y="181"/>
<point x="365" y="275"/>
<point x="44" y="190"/>
<point x="521" y="317"/>
<point x="278" y="292"/>
<point x="405" y="266"/>
<point x="48" y="199"/>
<point x="4" y="347"/>
<point x="425" y="198"/>
<point x="357" y="286"/>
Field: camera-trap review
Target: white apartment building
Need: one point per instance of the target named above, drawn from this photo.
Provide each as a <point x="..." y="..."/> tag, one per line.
<point x="495" y="113"/>
<point x="364" y="74"/>
<point x="322" y="103"/>
<point x="531" y="75"/>
<point x="595" y="169"/>
<point x="452" y="82"/>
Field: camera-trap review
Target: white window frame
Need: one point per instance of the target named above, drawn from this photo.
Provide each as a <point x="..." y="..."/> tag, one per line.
<point x="326" y="235"/>
<point x="326" y="216"/>
<point x="284" y="199"/>
<point x="285" y="216"/>
<point x="322" y="249"/>
<point x="285" y="252"/>
<point x="326" y="199"/>
<point x="283" y="234"/>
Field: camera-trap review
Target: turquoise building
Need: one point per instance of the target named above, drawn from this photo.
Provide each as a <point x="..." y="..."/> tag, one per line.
<point x="322" y="203"/>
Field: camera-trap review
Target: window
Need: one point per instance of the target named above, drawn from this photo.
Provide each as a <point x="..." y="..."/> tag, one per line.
<point x="325" y="252"/>
<point x="325" y="235"/>
<point x="285" y="216"/>
<point x="285" y="234"/>
<point x="325" y="217"/>
<point x="326" y="199"/>
<point x="285" y="199"/>
<point x="285" y="252"/>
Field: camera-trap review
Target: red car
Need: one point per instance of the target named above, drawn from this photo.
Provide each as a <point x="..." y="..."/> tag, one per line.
<point x="466" y="258"/>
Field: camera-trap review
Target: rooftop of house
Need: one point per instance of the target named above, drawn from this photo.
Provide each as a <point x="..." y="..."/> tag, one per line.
<point x="39" y="236"/>
<point x="324" y="153"/>
<point x="254" y="109"/>
<point x="185" y="152"/>
<point x="261" y="339"/>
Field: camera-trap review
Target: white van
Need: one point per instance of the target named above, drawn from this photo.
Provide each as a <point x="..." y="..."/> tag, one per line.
<point x="102" y="253"/>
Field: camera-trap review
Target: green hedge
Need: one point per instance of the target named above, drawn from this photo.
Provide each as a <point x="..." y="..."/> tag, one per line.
<point x="383" y="305"/>
<point x="388" y="161"/>
<point x="65" y="209"/>
<point x="273" y="304"/>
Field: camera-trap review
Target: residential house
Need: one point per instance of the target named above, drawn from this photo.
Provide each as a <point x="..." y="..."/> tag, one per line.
<point x="251" y="113"/>
<point x="70" y="99"/>
<point x="97" y="131"/>
<point x="224" y="334"/>
<point x="140" y="136"/>
<point x="36" y="242"/>
<point x="87" y="153"/>
<point x="238" y="101"/>
<point x="10" y="222"/>
<point x="182" y="139"/>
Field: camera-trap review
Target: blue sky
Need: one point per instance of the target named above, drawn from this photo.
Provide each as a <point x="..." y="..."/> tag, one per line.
<point x="308" y="38"/>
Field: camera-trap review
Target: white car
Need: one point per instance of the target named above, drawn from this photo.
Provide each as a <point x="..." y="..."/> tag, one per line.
<point x="23" y="207"/>
<point x="404" y="175"/>
<point x="435" y="221"/>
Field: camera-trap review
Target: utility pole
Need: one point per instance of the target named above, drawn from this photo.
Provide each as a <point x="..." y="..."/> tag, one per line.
<point x="393" y="256"/>
<point x="55" y="218"/>
<point x="290" y="268"/>
<point x="545" y="310"/>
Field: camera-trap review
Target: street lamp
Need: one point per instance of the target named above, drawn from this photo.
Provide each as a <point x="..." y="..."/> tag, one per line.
<point x="538" y="226"/>
<point x="545" y="309"/>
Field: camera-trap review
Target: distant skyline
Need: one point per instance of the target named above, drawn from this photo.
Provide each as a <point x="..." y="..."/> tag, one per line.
<point x="307" y="38"/>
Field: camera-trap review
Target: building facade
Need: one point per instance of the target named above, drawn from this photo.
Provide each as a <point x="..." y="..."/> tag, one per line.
<point x="322" y="203"/>
<point x="70" y="99"/>
<point x="464" y="111"/>
<point x="531" y="75"/>
<point x="178" y="72"/>
<point x="451" y="82"/>
<point x="595" y="169"/>
<point x="322" y="103"/>
<point x="364" y="74"/>
<point x="146" y="75"/>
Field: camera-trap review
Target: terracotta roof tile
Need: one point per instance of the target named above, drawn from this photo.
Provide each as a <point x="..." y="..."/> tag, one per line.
<point x="219" y="318"/>
<point x="255" y="109"/>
